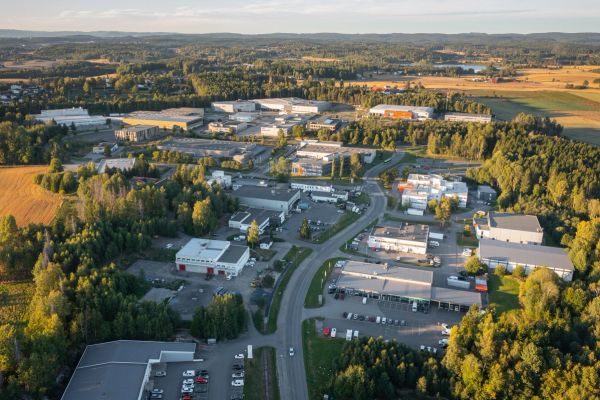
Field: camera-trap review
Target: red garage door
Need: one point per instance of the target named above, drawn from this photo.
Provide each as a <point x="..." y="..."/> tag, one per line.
<point x="221" y="272"/>
<point x="182" y="267"/>
<point x="210" y="271"/>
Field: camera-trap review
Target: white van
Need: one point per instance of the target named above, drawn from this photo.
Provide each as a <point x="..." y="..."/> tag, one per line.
<point x="378" y="320"/>
<point x="355" y="334"/>
<point x="349" y="316"/>
<point x="414" y="307"/>
<point x="364" y="300"/>
<point x="383" y="320"/>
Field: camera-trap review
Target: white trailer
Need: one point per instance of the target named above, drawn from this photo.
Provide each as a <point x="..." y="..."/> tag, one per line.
<point x="458" y="283"/>
<point x="348" y="334"/>
<point x="438" y="236"/>
<point x="414" y="211"/>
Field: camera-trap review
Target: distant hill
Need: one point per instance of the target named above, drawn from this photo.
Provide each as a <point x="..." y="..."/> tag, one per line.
<point x="583" y="37"/>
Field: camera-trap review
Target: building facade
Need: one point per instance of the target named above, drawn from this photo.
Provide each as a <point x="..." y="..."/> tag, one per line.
<point x="402" y="112"/>
<point x="310" y="167"/>
<point x="229" y="127"/>
<point x="514" y="228"/>
<point x="267" y="198"/>
<point x="264" y="218"/>
<point x="407" y="238"/>
<point x="324" y="123"/>
<point x="185" y="118"/>
<point x="486" y="193"/>
<point x="137" y="133"/>
<point x="215" y="257"/>
<point x="311" y="187"/>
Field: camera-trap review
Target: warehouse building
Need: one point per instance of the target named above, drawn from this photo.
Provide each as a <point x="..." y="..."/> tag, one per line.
<point x="274" y="129"/>
<point x="100" y="147"/>
<point x="185" y="118"/>
<point x="324" y="197"/>
<point x="234" y="106"/>
<point x="508" y="227"/>
<point x="246" y="117"/>
<point x="324" y="123"/>
<point x="77" y="116"/>
<point x="310" y="167"/>
<point x="229" y="127"/>
<point x="311" y="187"/>
<point x="293" y="105"/>
<point x="215" y="257"/>
<point x="137" y="133"/>
<point x="121" y="164"/>
<point x="220" y="178"/>
<point x="420" y="189"/>
<point x="402" y="112"/>
<point x="328" y="151"/>
<point x="495" y="252"/>
<point x="406" y="238"/>
<point x="264" y="218"/>
<point x="486" y="193"/>
<point x="464" y="117"/>
<point x="267" y="198"/>
<point x="401" y="284"/>
<point x="238" y="151"/>
<point x="122" y="369"/>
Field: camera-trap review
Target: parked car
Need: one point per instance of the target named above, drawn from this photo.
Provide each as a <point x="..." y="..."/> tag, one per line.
<point x="188" y="382"/>
<point x="239" y="356"/>
<point x="434" y="243"/>
<point x="237" y="382"/>
<point x="203" y="373"/>
<point x="383" y="320"/>
<point x="344" y="314"/>
<point x="189" y="372"/>
<point x="326" y="331"/>
<point x="156" y="396"/>
<point x="333" y="332"/>
<point x="355" y="316"/>
<point x="157" y="391"/>
<point x="201" y="380"/>
<point x="160" y="373"/>
<point x="238" y="367"/>
<point x="291" y="352"/>
<point x="238" y="375"/>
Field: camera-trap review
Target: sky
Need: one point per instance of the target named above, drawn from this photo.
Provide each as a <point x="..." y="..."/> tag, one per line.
<point x="304" y="16"/>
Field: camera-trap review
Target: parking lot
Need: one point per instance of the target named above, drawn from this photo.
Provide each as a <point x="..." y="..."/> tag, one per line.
<point x="172" y="382"/>
<point x="418" y="328"/>
<point x="326" y="214"/>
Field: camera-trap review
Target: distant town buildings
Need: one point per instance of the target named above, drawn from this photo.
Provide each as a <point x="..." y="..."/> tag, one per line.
<point x="241" y="152"/>
<point x="293" y="105"/>
<point x="185" y="118"/>
<point x="420" y="189"/>
<point x="464" y="117"/>
<point x="137" y="133"/>
<point x="328" y="151"/>
<point x="77" y="116"/>
<point x="101" y="147"/>
<point x="234" y="106"/>
<point x="402" y="112"/>
<point x="324" y="123"/>
<point x="215" y="257"/>
<point x="228" y="127"/>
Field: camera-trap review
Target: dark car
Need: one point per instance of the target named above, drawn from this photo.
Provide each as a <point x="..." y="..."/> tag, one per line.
<point x="345" y="314"/>
<point x="361" y="317"/>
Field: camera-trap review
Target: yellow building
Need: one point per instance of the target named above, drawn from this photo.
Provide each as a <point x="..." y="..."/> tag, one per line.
<point x="185" y="118"/>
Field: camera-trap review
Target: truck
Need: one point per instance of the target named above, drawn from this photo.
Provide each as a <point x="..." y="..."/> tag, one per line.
<point x="348" y="334"/>
<point x="459" y="283"/>
<point x="434" y="235"/>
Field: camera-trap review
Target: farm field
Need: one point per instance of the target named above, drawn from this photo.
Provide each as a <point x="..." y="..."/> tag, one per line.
<point x="25" y="200"/>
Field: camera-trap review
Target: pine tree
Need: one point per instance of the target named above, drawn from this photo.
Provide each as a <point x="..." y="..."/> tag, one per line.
<point x="253" y="234"/>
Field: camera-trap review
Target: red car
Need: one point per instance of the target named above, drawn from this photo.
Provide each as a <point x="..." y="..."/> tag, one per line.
<point x="186" y="397"/>
<point x="201" y="379"/>
<point x="326" y="331"/>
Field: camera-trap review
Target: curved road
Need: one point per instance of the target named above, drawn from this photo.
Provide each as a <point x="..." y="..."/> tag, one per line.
<point x="290" y="370"/>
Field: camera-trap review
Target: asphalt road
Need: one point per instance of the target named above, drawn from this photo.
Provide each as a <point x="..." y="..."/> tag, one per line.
<point x="291" y="372"/>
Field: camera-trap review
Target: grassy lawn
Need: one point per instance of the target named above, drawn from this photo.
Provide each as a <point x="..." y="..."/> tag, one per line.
<point x="347" y="219"/>
<point x="295" y="256"/>
<point x="320" y="354"/>
<point x="318" y="283"/>
<point x="503" y="292"/>
<point x="410" y="221"/>
<point x="255" y="387"/>
<point x="470" y="241"/>
<point x="362" y="199"/>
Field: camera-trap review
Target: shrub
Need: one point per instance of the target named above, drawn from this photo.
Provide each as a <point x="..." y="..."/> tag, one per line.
<point x="500" y="270"/>
<point x="518" y="271"/>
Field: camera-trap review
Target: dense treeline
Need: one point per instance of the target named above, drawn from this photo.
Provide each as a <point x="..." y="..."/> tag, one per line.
<point x="35" y="144"/>
<point x="63" y="69"/>
<point x="224" y="318"/>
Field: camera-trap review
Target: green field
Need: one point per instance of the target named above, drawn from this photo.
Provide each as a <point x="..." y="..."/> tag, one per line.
<point x="255" y="387"/>
<point x="318" y="283"/>
<point x="503" y="292"/>
<point x="578" y="112"/>
<point x="347" y="219"/>
<point x="14" y="299"/>
<point x="320" y="354"/>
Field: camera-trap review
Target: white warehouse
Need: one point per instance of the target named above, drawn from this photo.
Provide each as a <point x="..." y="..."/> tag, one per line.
<point x="407" y="238"/>
<point x="217" y="257"/>
<point x="402" y="112"/>
<point x="234" y="106"/>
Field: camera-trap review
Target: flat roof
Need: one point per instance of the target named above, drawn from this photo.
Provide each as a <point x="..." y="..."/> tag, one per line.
<point x="254" y="214"/>
<point x="233" y="254"/>
<point x="115" y="370"/>
<point x="392" y="272"/>
<point x="207" y="248"/>
<point x="118" y="163"/>
<point x="455" y="296"/>
<point x="259" y="192"/>
<point x="394" y="107"/>
<point x="412" y="232"/>
<point x="385" y="286"/>
<point x="137" y="128"/>
<point x="322" y="194"/>
<point x="486" y="189"/>
<point x="517" y="222"/>
<point x="530" y="254"/>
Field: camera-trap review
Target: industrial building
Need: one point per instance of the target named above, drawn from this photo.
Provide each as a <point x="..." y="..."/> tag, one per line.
<point x="121" y="164"/>
<point x="100" y="147"/>
<point x="508" y="227"/>
<point x="121" y="369"/>
<point x="310" y="167"/>
<point x="486" y="193"/>
<point x="267" y="198"/>
<point x="406" y="238"/>
<point x="77" y="116"/>
<point x="311" y="187"/>
<point x="324" y="197"/>
<point x="137" y="133"/>
<point x="185" y="118"/>
<point x="420" y="189"/>
<point x="238" y="151"/>
<point x="215" y="257"/>
<point x="324" y="123"/>
<point x="293" y="105"/>
<point x="234" y="106"/>
<point x="229" y="127"/>
<point x="264" y="218"/>
<point x="219" y="177"/>
<point x="246" y="117"/>
<point x="274" y="129"/>
<point x="328" y="151"/>
<point x="402" y="112"/>
<point x="400" y="284"/>
<point x="495" y="252"/>
<point x="464" y="117"/>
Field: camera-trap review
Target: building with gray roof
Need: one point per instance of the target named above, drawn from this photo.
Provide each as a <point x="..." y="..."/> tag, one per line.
<point x="405" y="238"/>
<point x="514" y="228"/>
<point x="267" y="198"/>
<point x="121" y="369"/>
<point x="121" y="164"/>
<point x="495" y="252"/>
<point x="212" y="257"/>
